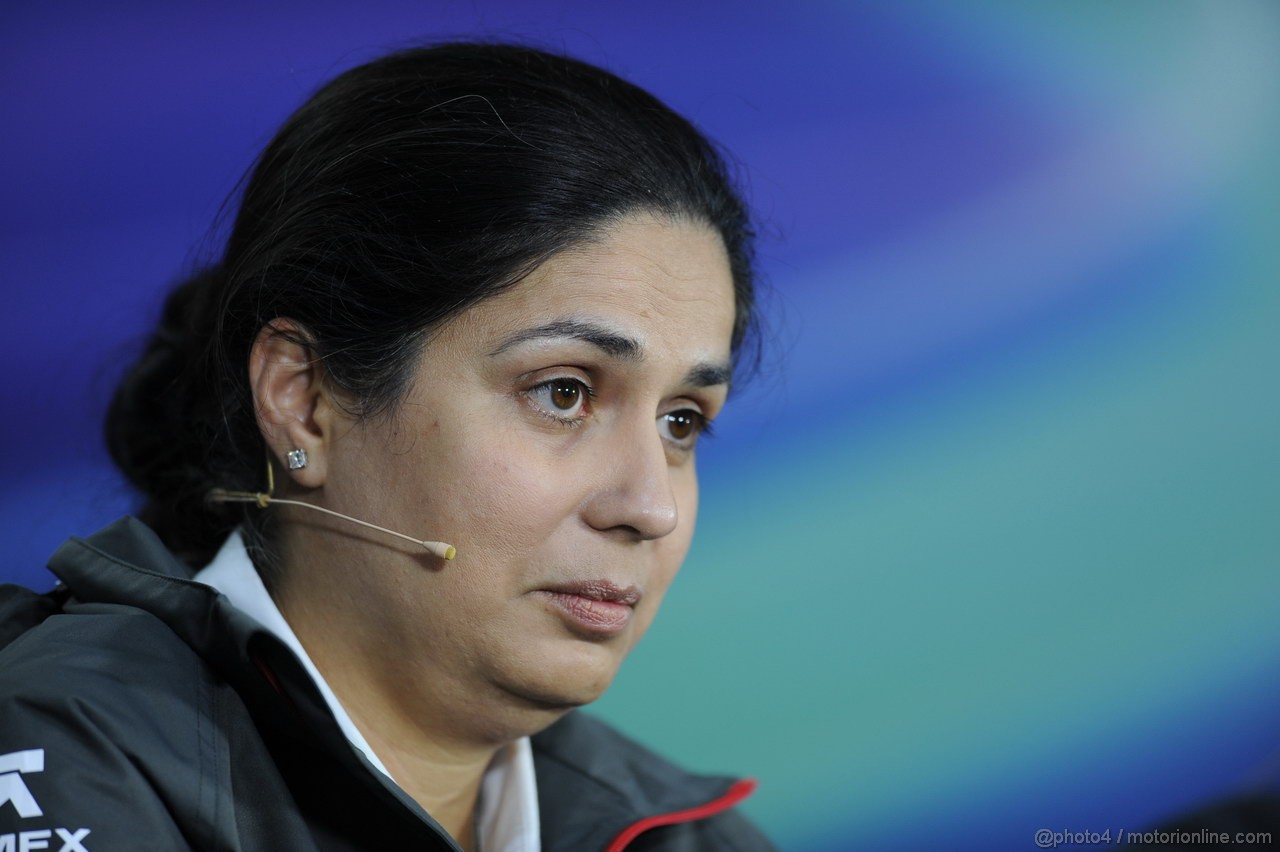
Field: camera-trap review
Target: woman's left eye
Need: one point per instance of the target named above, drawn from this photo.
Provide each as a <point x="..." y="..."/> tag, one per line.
<point x="563" y="399"/>
<point x="683" y="427"/>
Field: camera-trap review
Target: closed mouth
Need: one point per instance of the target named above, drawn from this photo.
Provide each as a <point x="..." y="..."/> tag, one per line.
<point x="595" y="609"/>
<point x="598" y="590"/>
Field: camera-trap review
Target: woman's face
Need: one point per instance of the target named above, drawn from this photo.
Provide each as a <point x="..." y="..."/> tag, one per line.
<point x="550" y="435"/>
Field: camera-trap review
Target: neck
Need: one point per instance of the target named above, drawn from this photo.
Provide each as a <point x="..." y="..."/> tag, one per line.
<point x="446" y="782"/>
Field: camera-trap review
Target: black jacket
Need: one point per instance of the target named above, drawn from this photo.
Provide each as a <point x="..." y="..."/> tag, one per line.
<point x="141" y="710"/>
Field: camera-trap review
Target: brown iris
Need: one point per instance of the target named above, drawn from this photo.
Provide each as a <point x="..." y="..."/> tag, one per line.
<point x="565" y="395"/>
<point x="681" y="424"/>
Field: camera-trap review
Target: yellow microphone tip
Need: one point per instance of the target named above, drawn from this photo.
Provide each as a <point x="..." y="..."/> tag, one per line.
<point x="451" y="552"/>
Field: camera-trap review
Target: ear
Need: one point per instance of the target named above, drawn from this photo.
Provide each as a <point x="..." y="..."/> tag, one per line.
<point x="295" y="408"/>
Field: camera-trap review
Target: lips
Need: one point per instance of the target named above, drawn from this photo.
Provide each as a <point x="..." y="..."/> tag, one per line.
<point x="598" y="608"/>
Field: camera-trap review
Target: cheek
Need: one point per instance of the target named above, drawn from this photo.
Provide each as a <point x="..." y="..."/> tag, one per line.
<point x="685" y="485"/>
<point x="503" y="497"/>
<point x="499" y="506"/>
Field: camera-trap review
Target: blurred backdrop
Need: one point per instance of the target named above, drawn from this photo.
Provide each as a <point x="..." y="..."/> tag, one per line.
<point x="992" y="546"/>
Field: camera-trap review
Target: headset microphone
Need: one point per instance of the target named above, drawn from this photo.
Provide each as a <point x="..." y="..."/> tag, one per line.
<point x="263" y="499"/>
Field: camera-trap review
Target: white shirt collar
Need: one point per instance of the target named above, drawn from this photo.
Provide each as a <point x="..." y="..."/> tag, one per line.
<point x="507" y="813"/>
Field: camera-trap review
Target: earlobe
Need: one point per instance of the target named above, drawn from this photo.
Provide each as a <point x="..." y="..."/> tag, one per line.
<point x="290" y="399"/>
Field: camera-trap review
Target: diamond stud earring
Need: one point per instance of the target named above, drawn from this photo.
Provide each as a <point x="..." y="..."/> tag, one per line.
<point x="297" y="459"/>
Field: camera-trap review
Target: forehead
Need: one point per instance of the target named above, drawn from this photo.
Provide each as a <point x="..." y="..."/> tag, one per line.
<point x="665" y="283"/>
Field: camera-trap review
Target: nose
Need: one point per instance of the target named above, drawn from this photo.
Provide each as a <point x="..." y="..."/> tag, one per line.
<point x="634" y="493"/>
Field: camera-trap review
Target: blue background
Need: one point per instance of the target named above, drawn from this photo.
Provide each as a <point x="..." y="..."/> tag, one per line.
<point x="992" y="547"/>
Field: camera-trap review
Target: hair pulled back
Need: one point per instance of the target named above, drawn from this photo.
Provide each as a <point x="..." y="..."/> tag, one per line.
<point x="402" y="192"/>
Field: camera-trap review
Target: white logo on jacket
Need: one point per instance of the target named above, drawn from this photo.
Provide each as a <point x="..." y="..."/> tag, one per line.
<point x="12" y="788"/>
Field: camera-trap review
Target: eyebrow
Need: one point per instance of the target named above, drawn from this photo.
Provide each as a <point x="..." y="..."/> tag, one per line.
<point x="611" y="342"/>
<point x="615" y="344"/>
<point x="708" y="375"/>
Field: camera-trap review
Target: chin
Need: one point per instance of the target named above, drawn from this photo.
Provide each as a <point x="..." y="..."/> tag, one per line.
<point x="567" y="677"/>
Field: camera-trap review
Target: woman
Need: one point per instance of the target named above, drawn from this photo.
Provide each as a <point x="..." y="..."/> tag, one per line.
<point x="476" y="294"/>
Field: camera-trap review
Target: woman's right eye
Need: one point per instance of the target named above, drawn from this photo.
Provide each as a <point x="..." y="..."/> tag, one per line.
<point x="563" y="399"/>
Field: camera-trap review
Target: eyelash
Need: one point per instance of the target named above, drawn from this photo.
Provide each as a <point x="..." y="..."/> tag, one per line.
<point x="701" y="423"/>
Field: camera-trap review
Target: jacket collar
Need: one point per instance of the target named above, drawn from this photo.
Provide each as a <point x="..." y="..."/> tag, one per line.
<point x="126" y="563"/>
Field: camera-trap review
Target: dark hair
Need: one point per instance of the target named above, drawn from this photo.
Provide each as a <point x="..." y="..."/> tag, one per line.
<point x="402" y="192"/>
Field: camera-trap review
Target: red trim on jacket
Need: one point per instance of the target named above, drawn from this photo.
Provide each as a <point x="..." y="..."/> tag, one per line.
<point x="269" y="675"/>
<point x="739" y="791"/>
